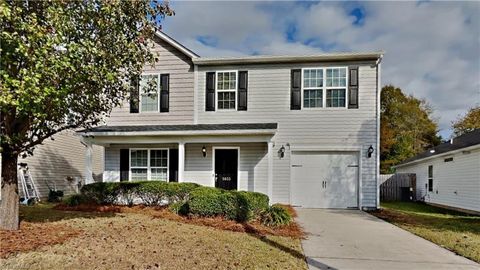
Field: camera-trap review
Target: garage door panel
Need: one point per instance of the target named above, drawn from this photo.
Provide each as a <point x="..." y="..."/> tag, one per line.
<point x="324" y="180"/>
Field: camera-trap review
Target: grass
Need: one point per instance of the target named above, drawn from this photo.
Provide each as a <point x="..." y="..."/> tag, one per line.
<point x="456" y="231"/>
<point x="139" y="241"/>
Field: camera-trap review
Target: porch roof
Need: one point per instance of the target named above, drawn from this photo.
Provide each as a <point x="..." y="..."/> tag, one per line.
<point x="199" y="129"/>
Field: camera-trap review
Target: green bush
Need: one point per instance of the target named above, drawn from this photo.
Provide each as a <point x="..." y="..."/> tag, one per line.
<point x="55" y="195"/>
<point x="275" y="215"/>
<point x="128" y="191"/>
<point x="250" y="204"/>
<point x="153" y="192"/>
<point x="74" y="200"/>
<point x="180" y="192"/>
<point x="180" y="208"/>
<point x="209" y="201"/>
<point x="102" y="192"/>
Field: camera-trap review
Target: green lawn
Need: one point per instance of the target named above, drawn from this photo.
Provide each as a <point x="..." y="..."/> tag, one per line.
<point x="139" y="241"/>
<point x="453" y="230"/>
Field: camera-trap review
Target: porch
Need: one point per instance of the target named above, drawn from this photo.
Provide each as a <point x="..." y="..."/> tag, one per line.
<point x="232" y="156"/>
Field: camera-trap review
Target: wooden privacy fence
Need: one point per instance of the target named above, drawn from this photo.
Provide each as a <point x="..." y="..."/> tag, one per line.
<point x="398" y="187"/>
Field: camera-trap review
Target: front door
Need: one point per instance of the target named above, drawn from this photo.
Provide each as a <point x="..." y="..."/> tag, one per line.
<point x="226" y="168"/>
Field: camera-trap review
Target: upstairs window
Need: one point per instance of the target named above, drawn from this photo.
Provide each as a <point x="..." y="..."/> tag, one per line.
<point x="336" y="82"/>
<point x="313" y="88"/>
<point x="430" y="178"/>
<point x="324" y="87"/>
<point x="149" y="89"/>
<point x="226" y="90"/>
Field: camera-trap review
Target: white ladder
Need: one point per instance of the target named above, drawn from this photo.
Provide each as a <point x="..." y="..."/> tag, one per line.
<point x="28" y="185"/>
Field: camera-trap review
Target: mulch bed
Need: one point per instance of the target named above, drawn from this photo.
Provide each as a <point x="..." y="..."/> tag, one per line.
<point x="32" y="236"/>
<point x="254" y="227"/>
<point x="392" y="216"/>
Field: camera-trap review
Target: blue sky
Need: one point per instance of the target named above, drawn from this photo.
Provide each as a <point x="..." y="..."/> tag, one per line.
<point x="432" y="48"/>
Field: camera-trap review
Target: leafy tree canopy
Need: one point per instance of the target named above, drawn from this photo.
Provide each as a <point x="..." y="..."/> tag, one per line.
<point x="65" y="64"/>
<point x="406" y="129"/>
<point x="467" y="123"/>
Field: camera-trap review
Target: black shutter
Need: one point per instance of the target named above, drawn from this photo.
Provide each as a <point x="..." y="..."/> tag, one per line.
<point x="242" y="90"/>
<point x="353" y="87"/>
<point x="173" y="165"/>
<point x="296" y="90"/>
<point x="124" y="164"/>
<point x="164" y="92"/>
<point x="210" y="92"/>
<point x="134" y="95"/>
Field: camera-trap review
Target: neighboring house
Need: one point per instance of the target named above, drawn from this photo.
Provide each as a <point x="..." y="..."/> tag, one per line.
<point x="60" y="164"/>
<point x="302" y="129"/>
<point x="449" y="174"/>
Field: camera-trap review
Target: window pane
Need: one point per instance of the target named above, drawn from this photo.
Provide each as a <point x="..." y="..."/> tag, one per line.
<point x="139" y="174"/>
<point x="139" y="158"/>
<point x="149" y="102"/>
<point x="336" y="98"/>
<point x="158" y="174"/>
<point x="149" y="93"/>
<point x="158" y="158"/>
<point x="312" y="78"/>
<point x="226" y="80"/>
<point x="336" y="76"/>
<point x="312" y="98"/>
<point x="226" y="100"/>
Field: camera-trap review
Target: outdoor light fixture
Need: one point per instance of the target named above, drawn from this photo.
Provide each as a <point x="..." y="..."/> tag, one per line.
<point x="281" y="151"/>
<point x="370" y="151"/>
<point x="204" y="151"/>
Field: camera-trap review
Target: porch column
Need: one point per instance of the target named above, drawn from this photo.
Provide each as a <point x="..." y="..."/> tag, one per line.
<point x="88" y="163"/>
<point x="181" y="161"/>
<point x="270" y="171"/>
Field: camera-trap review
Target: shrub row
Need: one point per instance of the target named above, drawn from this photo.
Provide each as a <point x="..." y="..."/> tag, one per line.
<point x="150" y="192"/>
<point x="186" y="199"/>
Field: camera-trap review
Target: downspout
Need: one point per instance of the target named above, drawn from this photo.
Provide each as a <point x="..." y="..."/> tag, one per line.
<point x="377" y="156"/>
<point x="195" y="94"/>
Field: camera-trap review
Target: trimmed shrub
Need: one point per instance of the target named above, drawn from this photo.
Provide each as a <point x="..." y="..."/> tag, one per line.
<point x="74" y="200"/>
<point x="180" y="192"/>
<point x="275" y="215"/>
<point x="55" y="195"/>
<point x="128" y="191"/>
<point x="153" y="192"/>
<point x="101" y="192"/>
<point x="179" y="208"/>
<point x="209" y="201"/>
<point x="250" y="204"/>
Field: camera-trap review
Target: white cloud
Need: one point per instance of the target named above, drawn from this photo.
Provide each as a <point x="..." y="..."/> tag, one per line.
<point x="432" y="48"/>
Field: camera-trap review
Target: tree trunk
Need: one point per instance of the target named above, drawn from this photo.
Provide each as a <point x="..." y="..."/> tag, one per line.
<point x="9" y="199"/>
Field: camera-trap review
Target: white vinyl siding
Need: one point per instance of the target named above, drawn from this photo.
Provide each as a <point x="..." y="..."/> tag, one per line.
<point x="180" y="69"/>
<point x="56" y="160"/>
<point x="269" y="89"/>
<point x="455" y="183"/>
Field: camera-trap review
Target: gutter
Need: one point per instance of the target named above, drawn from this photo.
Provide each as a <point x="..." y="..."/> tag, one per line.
<point x="180" y="133"/>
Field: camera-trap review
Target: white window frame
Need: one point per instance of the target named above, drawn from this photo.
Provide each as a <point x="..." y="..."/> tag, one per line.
<point x="324" y="88"/>
<point x="149" y="173"/>
<point x="140" y="93"/>
<point x="229" y="90"/>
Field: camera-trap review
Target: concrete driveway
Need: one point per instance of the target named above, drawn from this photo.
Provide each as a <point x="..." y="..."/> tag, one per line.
<point x="352" y="239"/>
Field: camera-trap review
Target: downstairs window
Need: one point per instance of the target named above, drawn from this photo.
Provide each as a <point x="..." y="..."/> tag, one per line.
<point x="148" y="164"/>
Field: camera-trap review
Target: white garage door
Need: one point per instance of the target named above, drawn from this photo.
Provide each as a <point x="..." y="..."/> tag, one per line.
<point x="324" y="179"/>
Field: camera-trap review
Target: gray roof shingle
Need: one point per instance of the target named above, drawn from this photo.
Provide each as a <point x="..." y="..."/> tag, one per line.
<point x="200" y="127"/>
<point x="463" y="141"/>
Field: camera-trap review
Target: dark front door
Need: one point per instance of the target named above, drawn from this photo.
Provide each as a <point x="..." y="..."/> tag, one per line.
<point x="226" y="166"/>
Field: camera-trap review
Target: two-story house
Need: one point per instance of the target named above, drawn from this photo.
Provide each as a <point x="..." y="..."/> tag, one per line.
<point x="302" y="129"/>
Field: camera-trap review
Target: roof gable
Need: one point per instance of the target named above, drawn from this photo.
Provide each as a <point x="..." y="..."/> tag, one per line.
<point x="177" y="45"/>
